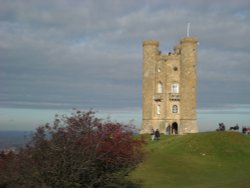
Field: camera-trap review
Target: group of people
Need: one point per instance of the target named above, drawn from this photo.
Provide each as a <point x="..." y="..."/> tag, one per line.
<point x="246" y="130"/>
<point x="222" y="127"/>
<point x="155" y="134"/>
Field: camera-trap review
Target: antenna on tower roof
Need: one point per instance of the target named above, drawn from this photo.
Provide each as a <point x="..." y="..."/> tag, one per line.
<point x="188" y="28"/>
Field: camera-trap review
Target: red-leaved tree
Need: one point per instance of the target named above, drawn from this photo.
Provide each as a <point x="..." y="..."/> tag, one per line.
<point x="76" y="151"/>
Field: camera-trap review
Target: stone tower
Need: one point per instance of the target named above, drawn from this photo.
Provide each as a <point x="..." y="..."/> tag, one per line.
<point x="169" y="88"/>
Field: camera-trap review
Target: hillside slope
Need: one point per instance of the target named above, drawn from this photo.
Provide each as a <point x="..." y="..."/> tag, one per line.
<point x="202" y="160"/>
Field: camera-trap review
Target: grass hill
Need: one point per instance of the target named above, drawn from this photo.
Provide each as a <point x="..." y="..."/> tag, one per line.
<point x="202" y="160"/>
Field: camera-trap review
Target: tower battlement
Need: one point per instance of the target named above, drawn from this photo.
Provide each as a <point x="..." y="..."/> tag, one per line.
<point x="189" y="40"/>
<point x="151" y="42"/>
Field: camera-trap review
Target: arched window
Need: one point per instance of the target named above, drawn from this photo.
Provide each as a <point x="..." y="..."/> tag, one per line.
<point x="158" y="109"/>
<point x="175" y="88"/>
<point x="175" y="109"/>
<point x="159" y="87"/>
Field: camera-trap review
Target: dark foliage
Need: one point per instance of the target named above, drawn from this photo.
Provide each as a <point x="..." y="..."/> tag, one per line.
<point x="76" y="151"/>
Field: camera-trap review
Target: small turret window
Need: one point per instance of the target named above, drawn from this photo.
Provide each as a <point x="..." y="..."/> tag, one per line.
<point x="159" y="87"/>
<point x="175" y="109"/>
<point x="158" y="109"/>
<point x="175" y="88"/>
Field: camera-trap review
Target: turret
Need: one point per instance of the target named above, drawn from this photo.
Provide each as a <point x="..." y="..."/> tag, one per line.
<point x="188" y="83"/>
<point x="150" y="53"/>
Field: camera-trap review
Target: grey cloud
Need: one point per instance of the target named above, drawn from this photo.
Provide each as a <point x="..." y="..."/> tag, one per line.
<point x="58" y="53"/>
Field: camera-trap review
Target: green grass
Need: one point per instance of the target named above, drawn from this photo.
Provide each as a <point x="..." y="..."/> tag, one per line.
<point x="202" y="160"/>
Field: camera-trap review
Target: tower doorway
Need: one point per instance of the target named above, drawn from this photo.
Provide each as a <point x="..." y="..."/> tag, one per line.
<point x="174" y="128"/>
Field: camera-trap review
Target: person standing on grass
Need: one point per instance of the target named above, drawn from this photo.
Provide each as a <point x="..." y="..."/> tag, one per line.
<point x="152" y="134"/>
<point x="157" y="134"/>
<point x="168" y="130"/>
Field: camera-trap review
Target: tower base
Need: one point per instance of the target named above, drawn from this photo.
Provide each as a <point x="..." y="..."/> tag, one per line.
<point x="169" y="126"/>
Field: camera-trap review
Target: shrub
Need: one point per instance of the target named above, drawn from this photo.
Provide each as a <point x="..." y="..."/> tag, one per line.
<point x="76" y="151"/>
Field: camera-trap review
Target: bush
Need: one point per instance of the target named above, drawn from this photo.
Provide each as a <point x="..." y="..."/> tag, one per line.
<point x="76" y="151"/>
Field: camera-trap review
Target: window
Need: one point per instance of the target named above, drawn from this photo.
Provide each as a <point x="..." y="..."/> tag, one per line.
<point x="175" y="88"/>
<point x="159" y="87"/>
<point x="175" y="109"/>
<point x="158" y="109"/>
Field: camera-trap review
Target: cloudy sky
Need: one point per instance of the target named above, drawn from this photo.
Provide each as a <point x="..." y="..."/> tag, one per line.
<point x="56" y="55"/>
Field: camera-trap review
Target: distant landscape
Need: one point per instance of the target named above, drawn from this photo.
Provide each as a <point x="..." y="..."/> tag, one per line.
<point x="9" y="139"/>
